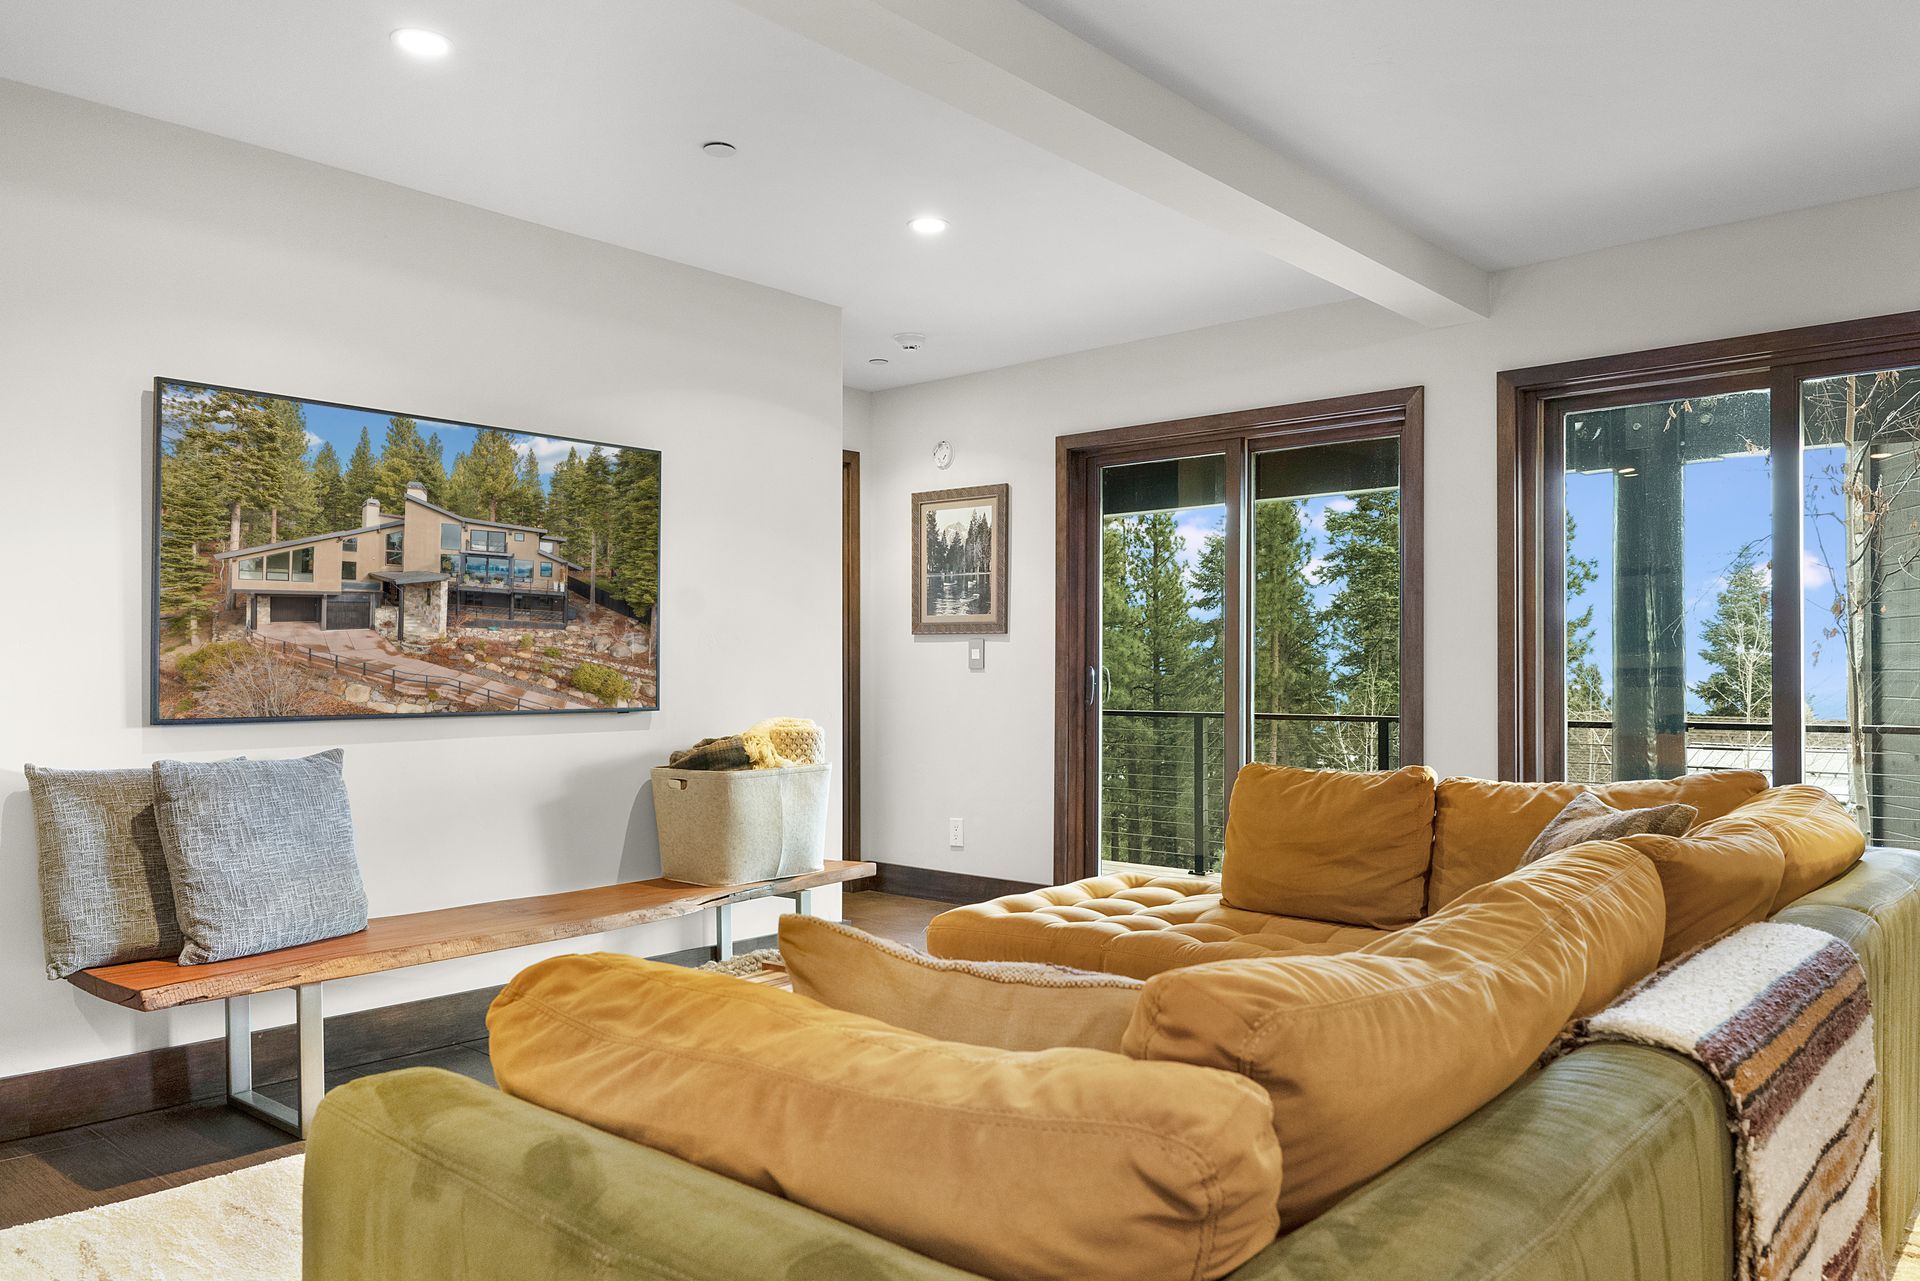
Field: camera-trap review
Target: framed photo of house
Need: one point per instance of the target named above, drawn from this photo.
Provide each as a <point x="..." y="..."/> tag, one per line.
<point x="314" y="560"/>
<point x="960" y="561"/>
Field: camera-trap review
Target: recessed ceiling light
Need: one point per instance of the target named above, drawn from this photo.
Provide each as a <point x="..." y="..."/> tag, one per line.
<point x="422" y="43"/>
<point x="718" y="148"/>
<point x="876" y="360"/>
<point x="928" y="226"/>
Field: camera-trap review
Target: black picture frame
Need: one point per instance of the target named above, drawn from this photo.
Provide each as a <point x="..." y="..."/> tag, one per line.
<point x="155" y="534"/>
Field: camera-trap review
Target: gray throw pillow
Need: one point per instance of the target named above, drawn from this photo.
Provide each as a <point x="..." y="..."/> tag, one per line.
<point x="1588" y="818"/>
<point x="104" y="893"/>
<point x="260" y="853"/>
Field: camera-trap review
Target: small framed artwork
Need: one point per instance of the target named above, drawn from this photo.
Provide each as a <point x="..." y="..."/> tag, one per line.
<point x="960" y="561"/>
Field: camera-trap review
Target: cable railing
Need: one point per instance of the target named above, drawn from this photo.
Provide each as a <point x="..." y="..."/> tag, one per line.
<point x="1163" y="771"/>
<point x="1163" y="781"/>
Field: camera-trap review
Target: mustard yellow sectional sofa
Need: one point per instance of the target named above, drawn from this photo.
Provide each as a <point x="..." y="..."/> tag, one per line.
<point x="1327" y="1070"/>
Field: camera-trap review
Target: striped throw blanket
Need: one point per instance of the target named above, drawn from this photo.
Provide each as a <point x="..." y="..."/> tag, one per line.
<point x="1779" y="1015"/>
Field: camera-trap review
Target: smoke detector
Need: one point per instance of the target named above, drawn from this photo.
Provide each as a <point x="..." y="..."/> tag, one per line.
<point x="910" y="342"/>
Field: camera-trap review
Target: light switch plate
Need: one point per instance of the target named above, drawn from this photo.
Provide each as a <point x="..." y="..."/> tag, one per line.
<point x="977" y="654"/>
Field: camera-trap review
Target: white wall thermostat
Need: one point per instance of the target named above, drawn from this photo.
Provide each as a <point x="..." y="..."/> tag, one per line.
<point x="942" y="455"/>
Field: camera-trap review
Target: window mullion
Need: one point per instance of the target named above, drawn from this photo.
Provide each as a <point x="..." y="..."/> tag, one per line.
<point x="1789" y="596"/>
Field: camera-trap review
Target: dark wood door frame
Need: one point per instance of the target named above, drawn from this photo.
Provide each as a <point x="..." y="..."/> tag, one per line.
<point x="850" y="652"/>
<point x="1532" y="622"/>
<point x="1239" y="435"/>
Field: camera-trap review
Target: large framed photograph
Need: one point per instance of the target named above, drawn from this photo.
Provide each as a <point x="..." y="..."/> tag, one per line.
<point x="314" y="560"/>
<point x="960" y="561"/>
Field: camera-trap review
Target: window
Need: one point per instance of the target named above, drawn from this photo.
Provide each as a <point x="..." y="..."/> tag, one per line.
<point x="449" y="564"/>
<point x="278" y="567"/>
<point x="349" y="571"/>
<point x="303" y="564"/>
<point x="489" y="540"/>
<point x="519" y="537"/>
<point x="1242" y="587"/>
<point x="1714" y="568"/>
<point x="449" y="537"/>
<point x="523" y="570"/>
<point x="350" y="544"/>
<point x="546" y="547"/>
<point x="252" y="567"/>
<point x="546" y="569"/>
<point x="396" y="548"/>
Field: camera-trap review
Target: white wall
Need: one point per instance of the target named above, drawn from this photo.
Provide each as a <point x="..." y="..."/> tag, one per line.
<point x="941" y="741"/>
<point x="130" y="249"/>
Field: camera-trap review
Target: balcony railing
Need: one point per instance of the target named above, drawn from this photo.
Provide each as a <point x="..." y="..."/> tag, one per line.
<point x="1163" y="784"/>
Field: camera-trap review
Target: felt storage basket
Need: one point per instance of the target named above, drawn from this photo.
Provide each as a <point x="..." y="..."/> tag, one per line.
<point x="734" y="826"/>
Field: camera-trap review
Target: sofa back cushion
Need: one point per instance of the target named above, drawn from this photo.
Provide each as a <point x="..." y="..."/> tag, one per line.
<point x="1369" y="1054"/>
<point x="1330" y="845"/>
<point x="1818" y="837"/>
<point x="1481" y="829"/>
<point x="1744" y="866"/>
<point x="1015" y="1005"/>
<point x="1062" y="1164"/>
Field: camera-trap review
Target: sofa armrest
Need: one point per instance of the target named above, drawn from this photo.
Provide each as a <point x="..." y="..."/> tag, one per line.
<point x="1611" y="1162"/>
<point x="430" y="1176"/>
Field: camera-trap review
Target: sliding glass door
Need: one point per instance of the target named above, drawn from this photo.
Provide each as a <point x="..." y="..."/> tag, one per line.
<point x="1162" y="671"/>
<point x="1719" y="566"/>
<point x="1246" y="596"/>
<point x="1860" y="594"/>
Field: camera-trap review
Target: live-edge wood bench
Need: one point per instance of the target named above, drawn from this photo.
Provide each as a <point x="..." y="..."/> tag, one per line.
<point x="419" y="938"/>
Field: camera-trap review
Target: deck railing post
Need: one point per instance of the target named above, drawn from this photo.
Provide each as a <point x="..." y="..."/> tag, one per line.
<point x="1199" y="794"/>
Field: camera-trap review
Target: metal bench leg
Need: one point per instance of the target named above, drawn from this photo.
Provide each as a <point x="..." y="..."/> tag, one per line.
<point x="723" y="932"/>
<point x="312" y="1081"/>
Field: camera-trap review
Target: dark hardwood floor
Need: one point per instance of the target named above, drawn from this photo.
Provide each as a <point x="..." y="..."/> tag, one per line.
<point x="98" y="1164"/>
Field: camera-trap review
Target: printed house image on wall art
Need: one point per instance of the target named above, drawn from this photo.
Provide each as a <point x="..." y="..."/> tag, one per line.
<point x="322" y="560"/>
<point x="960" y="561"/>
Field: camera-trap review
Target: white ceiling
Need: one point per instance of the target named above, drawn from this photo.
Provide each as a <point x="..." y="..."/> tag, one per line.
<point x="1504" y="133"/>
<point x="588" y="115"/>
<point x="1514" y="133"/>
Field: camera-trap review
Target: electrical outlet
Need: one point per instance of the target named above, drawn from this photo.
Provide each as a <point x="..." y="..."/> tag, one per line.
<point x="956" y="833"/>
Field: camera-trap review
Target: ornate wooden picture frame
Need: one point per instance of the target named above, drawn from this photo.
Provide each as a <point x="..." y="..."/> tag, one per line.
<point x="960" y="562"/>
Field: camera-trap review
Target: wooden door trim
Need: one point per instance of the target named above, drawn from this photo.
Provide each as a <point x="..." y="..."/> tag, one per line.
<point x="1399" y="412"/>
<point x="1530" y="613"/>
<point x="850" y="652"/>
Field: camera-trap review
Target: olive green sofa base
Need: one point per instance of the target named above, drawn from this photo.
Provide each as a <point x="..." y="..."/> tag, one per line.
<point x="1611" y="1164"/>
<point x="424" y="1175"/>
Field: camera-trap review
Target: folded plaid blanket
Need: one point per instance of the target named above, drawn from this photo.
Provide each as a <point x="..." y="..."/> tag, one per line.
<point x="725" y="753"/>
<point x="1779" y="1015"/>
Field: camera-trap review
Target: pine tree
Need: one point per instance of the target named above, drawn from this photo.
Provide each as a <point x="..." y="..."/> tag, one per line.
<point x="406" y="456"/>
<point x="336" y="510"/>
<point x="1586" y="689"/>
<point x="292" y="510"/>
<point x="529" y="503"/>
<point x="361" y="480"/>
<point x="634" y="529"/>
<point x="489" y="474"/>
<point x="238" y="437"/>
<point x="1739" y="644"/>
<point x="1289" y="651"/>
<point x="193" y="522"/>
<point x="1363" y="619"/>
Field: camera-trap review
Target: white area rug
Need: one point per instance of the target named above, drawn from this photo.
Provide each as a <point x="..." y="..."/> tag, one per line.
<point x="243" y="1226"/>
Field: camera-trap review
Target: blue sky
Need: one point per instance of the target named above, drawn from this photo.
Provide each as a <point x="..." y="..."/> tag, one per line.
<point x="1197" y="524"/>
<point x="1729" y="505"/>
<point x="341" y="428"/>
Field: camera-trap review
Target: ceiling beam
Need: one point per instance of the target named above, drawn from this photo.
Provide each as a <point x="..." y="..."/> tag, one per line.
<point x="1004" y="64"/>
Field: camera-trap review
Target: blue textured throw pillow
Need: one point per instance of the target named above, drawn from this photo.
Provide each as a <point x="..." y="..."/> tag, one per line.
<point x="260" y="853"/>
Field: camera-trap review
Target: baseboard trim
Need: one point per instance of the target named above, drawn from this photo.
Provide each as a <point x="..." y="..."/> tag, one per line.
<point x="939" y="886"/>
<point x="62" y="1098"/>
